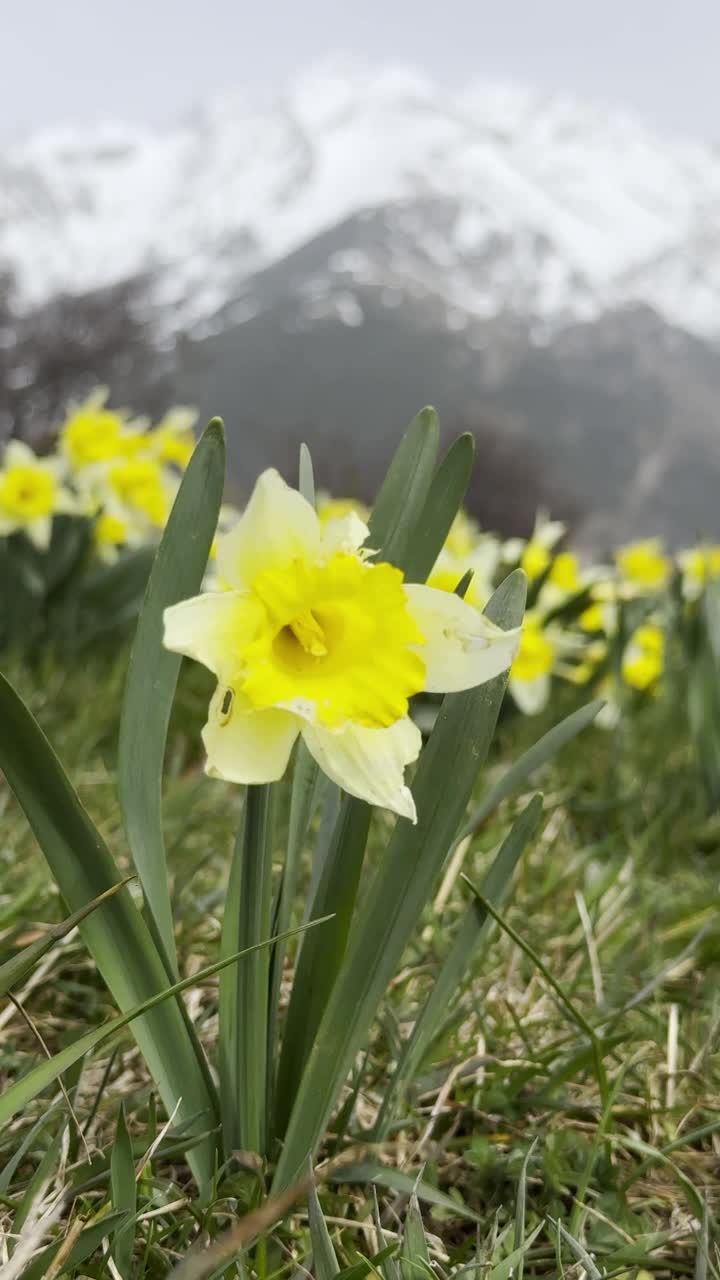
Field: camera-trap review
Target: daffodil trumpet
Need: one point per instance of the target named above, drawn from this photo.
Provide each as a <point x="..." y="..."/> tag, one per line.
<point x="313" y="637"/>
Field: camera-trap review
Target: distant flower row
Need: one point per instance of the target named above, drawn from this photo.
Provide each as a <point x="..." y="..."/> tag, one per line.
<point x="587" y="624"/>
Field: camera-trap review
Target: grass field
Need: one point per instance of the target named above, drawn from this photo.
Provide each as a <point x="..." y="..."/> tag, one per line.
<point x="579" y="1060"/>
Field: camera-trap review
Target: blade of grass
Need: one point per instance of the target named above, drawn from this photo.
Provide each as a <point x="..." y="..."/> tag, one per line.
<point x="573" y="1012"/>
<point x="89" y="1240"/>
<point x="325" y="1264"/>
<point x="472" y="932"/>
<point x="15" y="969"/>
<point x="520" y="1209"/>
<point x="177" y="573"/>
<point x="371" y="1171"/>
<point x="18" y="1095"/>
<point x="414" y="1256"/>
<point x="401" y="886"/>
<point x="534" y="758"/>
<point x="123" y="1195"/>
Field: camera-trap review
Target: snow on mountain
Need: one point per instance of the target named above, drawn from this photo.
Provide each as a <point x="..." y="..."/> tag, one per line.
<point x="495" y="198"/>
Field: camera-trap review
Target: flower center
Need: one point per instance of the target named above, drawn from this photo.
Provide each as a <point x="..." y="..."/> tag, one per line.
<point x="335" y="642"/>
<point x="27" y="492"/>
<point x="309" y="634"/>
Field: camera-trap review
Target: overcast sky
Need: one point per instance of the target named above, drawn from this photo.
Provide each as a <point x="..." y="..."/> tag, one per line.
<point x="150" y="60"/>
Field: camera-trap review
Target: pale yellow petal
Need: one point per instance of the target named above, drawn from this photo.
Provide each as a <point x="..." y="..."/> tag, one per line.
<point x="462" y="647"/>
<point x="277" y="527"/>
<point x="213" y="628"/>
<point x="344" y="533"/>
<point x="530" y="696"/>
<point x="39" y="531"/>
<point x="369" y="763"/>
<point x="244" y="745"/>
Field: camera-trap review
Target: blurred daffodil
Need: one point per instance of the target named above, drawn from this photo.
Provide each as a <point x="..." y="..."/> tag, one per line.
<point x="531" y="672"/>
<point x="141" y="484"/>
<point x="644" y="657"/>
<point x="644" y="565"/>
<point x="91" y="433"/>
<point x="31" y="493"/>
<point x="313" y="639"/>
<point x="172" y="440"/>
<point x="699" y="565"/>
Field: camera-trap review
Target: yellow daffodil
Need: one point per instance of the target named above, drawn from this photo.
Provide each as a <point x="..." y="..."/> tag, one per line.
<point x="92" y="433"/>
<point x="172" y="440"/>
<point x="530" y="673"/>
<point x="449" y="570"/>
<point x="313" y="639"/>
<point x="699" y="565"/>
<point x="463" y="536"/>
<point x="143" y="486"/>
<point x="644" y="565"/>
<point x="117" y="527"/>
<point x="644" y="657"/>
<point x="31" y="493"/>
<point x="534" y="556"/>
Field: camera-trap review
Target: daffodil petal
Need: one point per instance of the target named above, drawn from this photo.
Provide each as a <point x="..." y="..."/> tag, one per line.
<point x="39" y="531"/>
<point x="19" y="454"/>
<point x="462" y="647"/>
<point x="277" y="527"/>
<point x="344" y="533"/>
<point x="213" y="628"/>
<point x="530" y="696"/>
<point x="369" y="763"/>
<point x="244" y="745"/>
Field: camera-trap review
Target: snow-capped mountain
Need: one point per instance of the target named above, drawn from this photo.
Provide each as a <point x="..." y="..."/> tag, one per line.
<point x="491" y="200"/>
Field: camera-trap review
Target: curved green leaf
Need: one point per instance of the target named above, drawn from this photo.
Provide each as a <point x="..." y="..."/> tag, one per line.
<point x="116" y="934"/>
<point x="447" y="490"/>
<point x="401" y="500"/>
<point x="177" y="573"/>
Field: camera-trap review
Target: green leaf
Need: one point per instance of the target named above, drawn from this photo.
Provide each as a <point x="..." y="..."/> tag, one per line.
<point x="390" y="1269"/>
<point x="177" y="573"/>
<point x="505" y="1270"/>
<point x="306" y="476"/>
<point x="18" y="1095"/>
<point x="449" y="980"/>
<point x="398" y="893"/>
<point x="303" y="798"/>
<point x="414" y="1256"/>
<point x="381" y="1175"/>
<point x="520" y="1209"/>
<point x="531" y="760"/>
<point x="318" y="965"/>
<point x="325" y="1264"/>
<point x="403" y="494"/>
<point x="123" y="1195"/>
<point x="86" y="1244"/>
<point x="115" y="934"/>
<point x="15" y="969"/>
<point x="244" y="993"/>
<point x="444" y="499"/>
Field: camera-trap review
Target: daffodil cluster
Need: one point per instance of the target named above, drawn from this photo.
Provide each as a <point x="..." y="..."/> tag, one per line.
<point x="599" y="625"/>
<point x="117" y="471"/>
